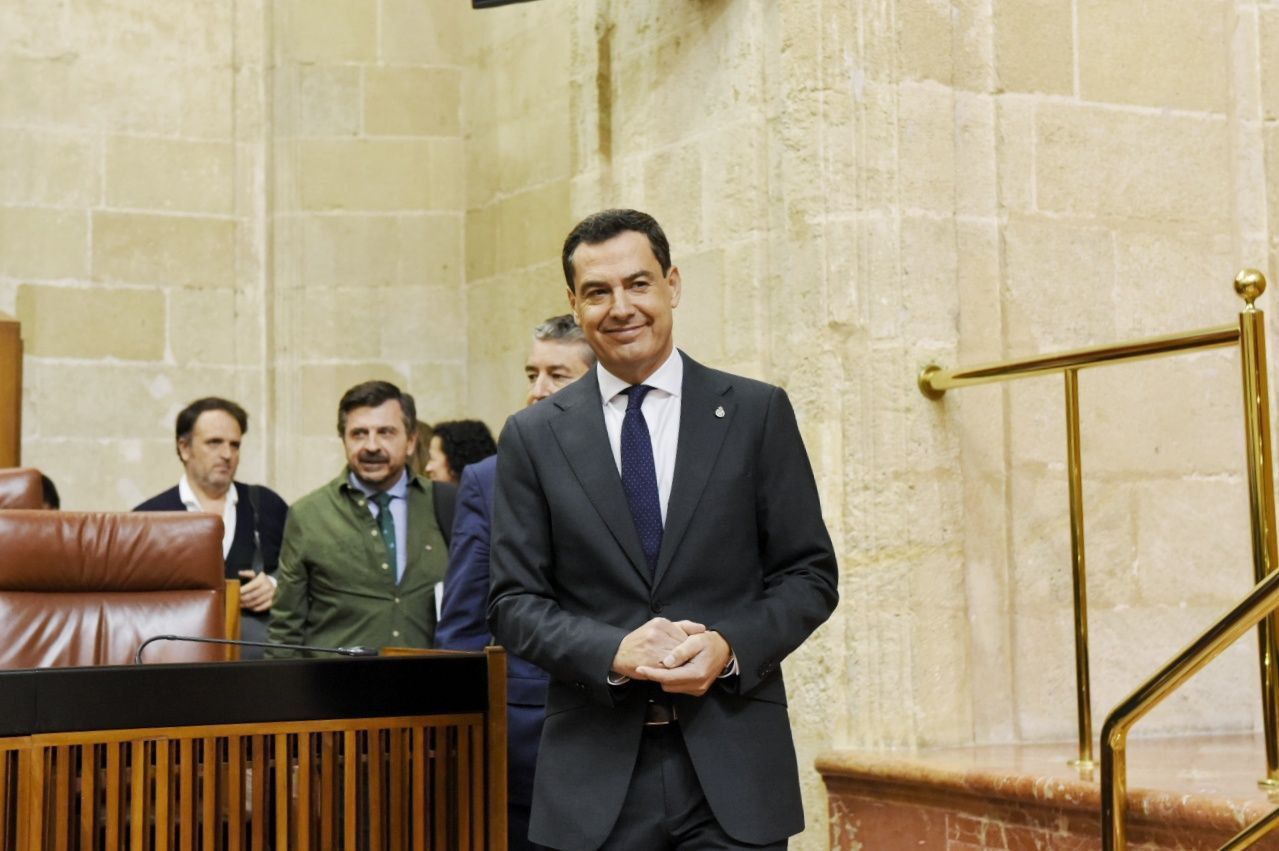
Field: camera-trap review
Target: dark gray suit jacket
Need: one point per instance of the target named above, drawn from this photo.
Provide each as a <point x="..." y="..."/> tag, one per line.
<point x="744" y="551"/>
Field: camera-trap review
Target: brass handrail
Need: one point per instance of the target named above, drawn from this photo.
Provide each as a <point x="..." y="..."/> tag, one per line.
<point x="1253" y="609"/>
<point x="934" y="381"/>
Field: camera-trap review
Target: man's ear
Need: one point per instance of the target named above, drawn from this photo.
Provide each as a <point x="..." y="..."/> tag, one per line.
<point x="572" y="300"/>
<point x="676" y="285"/>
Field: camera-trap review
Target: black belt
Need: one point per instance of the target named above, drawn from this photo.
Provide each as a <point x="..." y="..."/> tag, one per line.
<point x="659" y="714"/>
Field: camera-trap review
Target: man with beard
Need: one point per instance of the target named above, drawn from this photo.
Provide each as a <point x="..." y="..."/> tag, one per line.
<point x="362" y="555"/>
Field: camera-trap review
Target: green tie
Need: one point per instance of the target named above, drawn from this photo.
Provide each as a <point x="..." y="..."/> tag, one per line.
<point x="386" y="523"/>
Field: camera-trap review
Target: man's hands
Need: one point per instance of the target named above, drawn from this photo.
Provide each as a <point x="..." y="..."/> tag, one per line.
<point x="682" y="656"/>
<point x="257" y="593"/>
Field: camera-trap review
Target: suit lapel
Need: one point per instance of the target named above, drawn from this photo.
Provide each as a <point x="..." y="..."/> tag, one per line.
<point x="701" y="433"/>
<point x="583" y="438"/>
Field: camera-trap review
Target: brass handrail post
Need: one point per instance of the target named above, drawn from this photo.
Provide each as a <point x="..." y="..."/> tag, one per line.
<point x="1252" y="610"/>
<point x="1249" y="284"/>
<point x="1074" y="467"/>
<point x="1114" y="788"/>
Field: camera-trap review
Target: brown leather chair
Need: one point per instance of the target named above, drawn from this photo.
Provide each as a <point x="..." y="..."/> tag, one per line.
<point x="20" y="488"/>
<point x="81" y="588"/>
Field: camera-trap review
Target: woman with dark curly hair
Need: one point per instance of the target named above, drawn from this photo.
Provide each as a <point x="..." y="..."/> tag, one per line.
<point x="455" y="444"/>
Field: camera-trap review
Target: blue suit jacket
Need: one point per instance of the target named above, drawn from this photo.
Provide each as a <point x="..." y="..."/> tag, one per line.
<point x="463" y="627"/>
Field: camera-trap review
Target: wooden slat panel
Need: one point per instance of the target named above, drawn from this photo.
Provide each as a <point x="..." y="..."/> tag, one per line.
<point x="306" y="750"/>
<point x="281" y="742"/>
<point x="417" y="789"/>
<point x="30" y="797"/>
<point x="186" y="795"/>
<point x="6" y="813"/>
<point x="396" y="793"/>
<point x="393" y="783"/>
<point x="137" y="794"/>
<point x="60" y="783"/>
<point x="374" y="765"/>
<point x="328" y="790"/>
<point x="258" y="768"/>
<point x="350" y="764"/>
<point x="209" y="785"/>
<point x="113" y="782"/>
<point x="235" y="793"/>
<point x="88" y="795"/>
<point x="440" y="786"/>
<point x="462" y="810"/>
<point x="163" y="790"/>
<point x="478" y="814"/>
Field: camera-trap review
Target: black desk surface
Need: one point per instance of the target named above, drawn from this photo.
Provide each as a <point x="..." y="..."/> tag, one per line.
<point x="55" y="700"/>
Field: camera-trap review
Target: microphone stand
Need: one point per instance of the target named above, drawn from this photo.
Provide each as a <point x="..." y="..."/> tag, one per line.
<point x="197" y="639"/>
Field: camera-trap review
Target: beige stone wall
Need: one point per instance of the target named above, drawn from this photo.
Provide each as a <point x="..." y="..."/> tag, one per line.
<point x="273" y="200"/>
<point x="127" y="232"/>
<point x="262" y="200"/>
<point x="365" y="212"/>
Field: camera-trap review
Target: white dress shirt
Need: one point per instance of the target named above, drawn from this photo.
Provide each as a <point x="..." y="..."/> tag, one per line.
<point x="399" y="507"/>
<point x="661" y="408"/>
<point x="192" y="503"/>
<point x="661" y="412"/>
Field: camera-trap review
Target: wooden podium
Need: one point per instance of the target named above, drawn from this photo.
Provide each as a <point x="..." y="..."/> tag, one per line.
<point x="403" y="752"/>
<point x="10" y="392"/>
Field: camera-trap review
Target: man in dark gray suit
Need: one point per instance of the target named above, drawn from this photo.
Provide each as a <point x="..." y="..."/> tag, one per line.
<point x="658" y="548"/>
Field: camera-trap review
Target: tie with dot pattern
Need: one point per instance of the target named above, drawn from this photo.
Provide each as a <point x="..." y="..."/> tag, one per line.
<point x="639" y="475"/>
<point x="386" y="523"/>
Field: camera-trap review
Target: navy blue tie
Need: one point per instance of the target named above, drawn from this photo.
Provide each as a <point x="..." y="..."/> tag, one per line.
<point x="639" y="475"/>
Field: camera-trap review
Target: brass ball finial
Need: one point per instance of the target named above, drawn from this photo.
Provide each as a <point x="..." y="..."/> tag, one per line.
<point x="1250" y="284"/>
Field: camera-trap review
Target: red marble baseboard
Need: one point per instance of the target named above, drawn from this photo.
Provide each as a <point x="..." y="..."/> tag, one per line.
<point x="1184" y="794"/>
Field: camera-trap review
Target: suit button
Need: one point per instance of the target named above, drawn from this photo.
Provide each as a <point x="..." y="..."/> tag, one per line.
<point x="657" y="607"/>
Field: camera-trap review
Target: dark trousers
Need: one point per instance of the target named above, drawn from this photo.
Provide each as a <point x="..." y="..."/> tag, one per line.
<point x="665" y="807"/>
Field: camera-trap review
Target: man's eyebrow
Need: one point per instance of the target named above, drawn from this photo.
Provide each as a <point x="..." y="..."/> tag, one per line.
<point x="637" y="274"/>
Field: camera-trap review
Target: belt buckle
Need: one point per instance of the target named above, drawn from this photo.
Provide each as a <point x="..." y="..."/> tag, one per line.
<point x="659" y="714"/>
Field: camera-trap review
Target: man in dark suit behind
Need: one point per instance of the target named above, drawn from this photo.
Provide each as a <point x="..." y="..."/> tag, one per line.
<point x="208" y="433"/>
<point x="559" y="356"/>
<point x="658" y="548"/>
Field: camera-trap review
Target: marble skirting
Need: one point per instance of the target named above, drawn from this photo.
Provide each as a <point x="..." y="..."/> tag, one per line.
<point x="1184" y="793"/>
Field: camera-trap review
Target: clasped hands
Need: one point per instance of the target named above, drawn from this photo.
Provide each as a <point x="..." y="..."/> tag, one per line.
<point x="682" y="656"/>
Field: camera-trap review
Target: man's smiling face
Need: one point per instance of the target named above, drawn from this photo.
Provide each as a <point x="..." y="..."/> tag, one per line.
<point x="624" y="302"/>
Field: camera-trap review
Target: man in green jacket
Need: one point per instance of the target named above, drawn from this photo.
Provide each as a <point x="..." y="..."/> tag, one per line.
<point x="362" y="555"/>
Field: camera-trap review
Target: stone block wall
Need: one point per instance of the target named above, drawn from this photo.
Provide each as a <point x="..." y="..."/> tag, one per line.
<point x="128" y="243"/>
<point x="365" y="216"/>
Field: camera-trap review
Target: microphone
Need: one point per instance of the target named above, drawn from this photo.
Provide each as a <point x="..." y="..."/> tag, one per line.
<point x="198" y="639"/>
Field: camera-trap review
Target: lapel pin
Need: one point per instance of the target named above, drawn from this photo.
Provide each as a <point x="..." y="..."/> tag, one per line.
<point x="719" y="412"/>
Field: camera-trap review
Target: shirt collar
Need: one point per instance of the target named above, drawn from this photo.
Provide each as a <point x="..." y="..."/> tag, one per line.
<point x="669" y="378"/>
<point x="400" y="490"/>
<point x="186" y="493"/>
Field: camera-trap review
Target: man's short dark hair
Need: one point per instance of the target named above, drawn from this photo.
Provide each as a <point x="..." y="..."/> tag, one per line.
<point x="464" y="442"/>
<point x="49" y="492"/>
<point x="564" y="329"/>
<point x="606" y="224"/>
<point x="374" y="394"/>
<point x="185" y="423"/>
